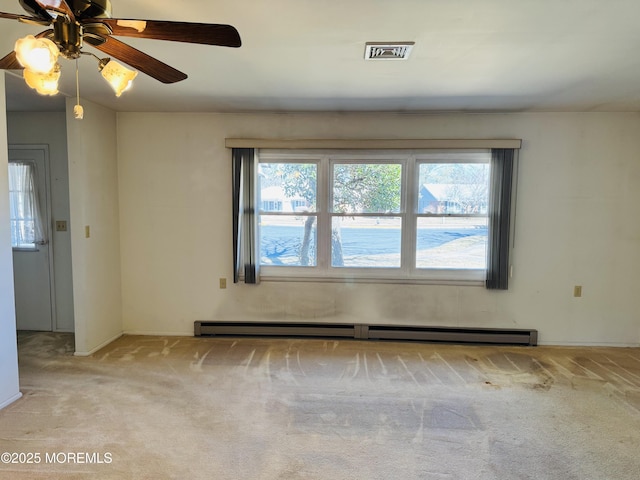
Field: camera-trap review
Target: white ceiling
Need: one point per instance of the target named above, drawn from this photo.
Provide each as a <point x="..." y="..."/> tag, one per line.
<point x="308" y="55"/>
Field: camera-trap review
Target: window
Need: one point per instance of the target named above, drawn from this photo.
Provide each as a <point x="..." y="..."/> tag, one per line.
<point x="25" y="219"/>
<point x="452" y="215"/>
<point x="288" y="237"/>
<point x="375" y="215"/>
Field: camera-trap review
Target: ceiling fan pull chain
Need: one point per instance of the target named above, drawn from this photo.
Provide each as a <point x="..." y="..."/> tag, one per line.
<point x="78" y="111"/>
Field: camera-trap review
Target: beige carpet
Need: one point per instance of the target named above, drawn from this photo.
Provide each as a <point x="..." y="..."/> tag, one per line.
<point x="187" y="408"/>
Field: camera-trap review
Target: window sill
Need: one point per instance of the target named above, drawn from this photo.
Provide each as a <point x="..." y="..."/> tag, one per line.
<point x="381" y="281"/>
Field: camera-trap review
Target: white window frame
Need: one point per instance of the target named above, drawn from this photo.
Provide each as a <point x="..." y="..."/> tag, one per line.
<point x="407" y="273"/>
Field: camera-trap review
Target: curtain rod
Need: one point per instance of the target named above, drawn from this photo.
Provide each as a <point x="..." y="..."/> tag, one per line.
<point x="372" y="144"/>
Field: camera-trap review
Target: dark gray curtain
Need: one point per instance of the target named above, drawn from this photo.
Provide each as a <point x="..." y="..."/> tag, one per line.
<point x="245" y="222"/>
<point x="500" y="189"/>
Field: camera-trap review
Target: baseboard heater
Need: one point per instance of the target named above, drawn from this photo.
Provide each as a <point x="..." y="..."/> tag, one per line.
<point x="369" y="332"/>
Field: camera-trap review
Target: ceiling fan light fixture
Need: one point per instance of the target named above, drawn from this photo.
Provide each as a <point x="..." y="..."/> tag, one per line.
<point x="43" y="83"/>
<point x="118" y="76"/>
<point x="40" y="55"/>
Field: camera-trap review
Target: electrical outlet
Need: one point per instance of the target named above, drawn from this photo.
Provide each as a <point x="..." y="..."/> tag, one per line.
<point x="61" y="225"/>
<point x="223" y="283"/>
<point x="577" y="291"/>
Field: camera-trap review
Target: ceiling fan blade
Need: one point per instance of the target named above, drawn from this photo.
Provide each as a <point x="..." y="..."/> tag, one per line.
<point x="202" y="33"/>
<point x="27" y="19"/>
<point x="138" y="60"/>
<point x="13" y="16"/>
<point x="10" y="62"/>
<point x="57" y="6"/>
<point x="34" y="8"/>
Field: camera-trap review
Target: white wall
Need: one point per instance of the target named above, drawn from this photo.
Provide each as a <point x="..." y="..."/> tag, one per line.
<point x="9" y="387"/>
<point x="50" y="128"/>
<point x="93" y="195"/>
<point x="577" y="225"/>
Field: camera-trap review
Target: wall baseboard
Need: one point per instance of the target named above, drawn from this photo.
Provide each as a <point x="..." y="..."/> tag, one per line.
<point x="498" y="336"/>
<point x="8" y="402"/>
<point x="146" y="333"/>
<point x="589" y="344"/>
<point x="102" y="345"/>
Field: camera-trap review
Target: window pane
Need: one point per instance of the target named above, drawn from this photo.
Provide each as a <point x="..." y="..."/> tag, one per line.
<point x="453" y="188"/>
<point x="288" y="187"/>
<point x="366" y="242"/>
<point x="22" y="234"/>
<point x="22" y="205"/>
<point x="288" y="240"/>
<point x="367" y="188"/>
<point x="451" y="242"/>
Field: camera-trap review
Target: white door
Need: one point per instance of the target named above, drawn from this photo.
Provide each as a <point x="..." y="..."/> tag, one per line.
<point x="32" y="261"/>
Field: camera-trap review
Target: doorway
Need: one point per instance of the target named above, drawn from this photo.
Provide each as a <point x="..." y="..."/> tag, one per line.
<point x="30" y="216"/>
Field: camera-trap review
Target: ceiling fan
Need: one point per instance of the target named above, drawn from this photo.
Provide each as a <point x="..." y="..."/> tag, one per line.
<point x="78" y="22"/>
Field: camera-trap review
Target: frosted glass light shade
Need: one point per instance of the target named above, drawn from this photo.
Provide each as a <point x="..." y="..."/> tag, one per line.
<point x="43" y="83"/>
<point x="119" y="77"/>
<point x="39" y="55"/>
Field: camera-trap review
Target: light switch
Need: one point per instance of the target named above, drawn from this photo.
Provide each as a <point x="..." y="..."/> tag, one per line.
<point x="87" y="231"/>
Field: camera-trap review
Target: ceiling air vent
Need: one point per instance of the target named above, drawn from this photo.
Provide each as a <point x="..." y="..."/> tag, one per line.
<point x="387" y="51"/>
